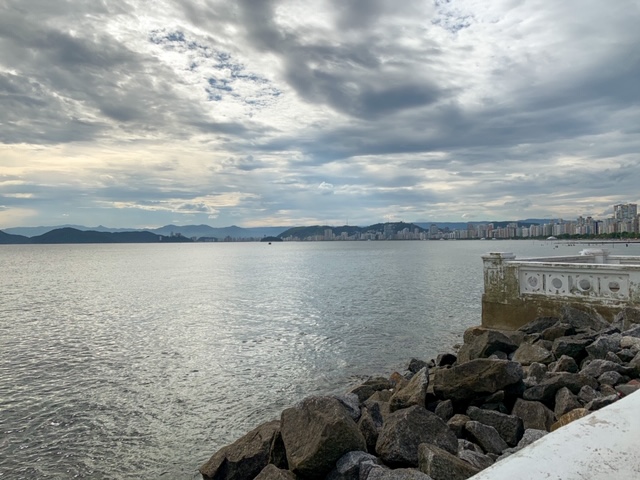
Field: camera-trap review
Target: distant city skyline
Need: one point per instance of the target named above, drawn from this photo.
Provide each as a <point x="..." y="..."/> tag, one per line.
<point x="279" y="113"/>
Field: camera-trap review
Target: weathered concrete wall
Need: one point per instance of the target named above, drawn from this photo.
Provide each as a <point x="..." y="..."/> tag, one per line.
<point x="518" y="291"/>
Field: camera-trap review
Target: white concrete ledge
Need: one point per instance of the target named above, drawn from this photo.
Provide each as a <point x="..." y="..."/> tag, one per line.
<point x="603" y="445"/>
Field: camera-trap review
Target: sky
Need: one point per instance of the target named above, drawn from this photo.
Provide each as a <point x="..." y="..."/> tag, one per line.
<point x="129" y="113"/>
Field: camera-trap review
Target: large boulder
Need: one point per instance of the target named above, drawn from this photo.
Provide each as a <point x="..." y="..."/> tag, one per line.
<point x="564" y="364"/>
<point x="442" y="465"/>
<point x="246" y="457"/>
<point x="414" y="393"/>
<point x="534" y="415"/>
<point x="370" y="425"/>
<point x="627" y="318"/>
<point x="405" y="429"/>
<point x="485" y="436"/>
<point x="598" y="367"/>
<point x="539" y="325"/>
<point x="476" y="459"/>
<point x="546" y="390"/>
<point x="526" y="354"/>
<point x="316" y="433"/>
<point x="482" y="342"/>
<point x="510" y="427"/>
<point x="565" y="402"/>
<point x="457" y="423"/>
<point x="464" y="382"/>
<point x="603" y="345"/>
<point x="370" y="386"/>
<point x="574" y="347"/>
<point x="581" y="319"/>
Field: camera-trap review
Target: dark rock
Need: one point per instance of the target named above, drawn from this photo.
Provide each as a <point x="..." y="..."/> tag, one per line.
<point x="246" y="457"/>
<point x="633" y="343"/>
<point x="445" y="410"/>
<point x="538" y="325"/>
<point x="557" y="331"/>
<point x="415" y="365"/>
<point x="481" y="343"/>
<point x="580" y="319"/>
<point x="546" y="344"/>
<point x="565" y="402"/>
<point x="369" y="428"/>
<point x="598" y="403"/>
<point x="349" y="465"/>
<point x="546" y="390"/>
<point x="509" y="427"/>
<point x="574" y="347"/>
<point x="405" y="429"/>
<point x="414" y="393"/>
<point x="625" y="355"/>
<point x="477" y="377"/>
<point x="526" y="354"/>
<point x="588" y="393"/>
<point x="271" y="472"/>
<point x="632" y="332"/>
<point x="381" y="473"/>
<point x="485" y="436"/>
<point x="565" y="364"/>
<point x="442" y="465"/>
<point x="610" y="378"/>
<point x="598" y="367"/>
<point x="369" y="387"/>
<point x="445" y="359"/>
<point x="569" y="417"/>
<point x="627" y="318"/>
<point x="612" y="357"/>
<point x="534" y="415"/>
<point x="607" y="390"/>
<point x="499" y="356"/>
<point x="603" y="345"/>
<point x="464" y="444"/>
<point x="634" y="364"/>
<point x="457" y="423"/>
<point x="476" y="459"/>
<point x="316" y="433"/>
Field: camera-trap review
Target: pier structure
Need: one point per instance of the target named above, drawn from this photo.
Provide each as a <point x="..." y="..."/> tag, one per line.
<point x="519" y="290"/>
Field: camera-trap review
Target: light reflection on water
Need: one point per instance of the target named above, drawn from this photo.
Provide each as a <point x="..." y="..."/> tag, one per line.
<point x="129" y="361"/>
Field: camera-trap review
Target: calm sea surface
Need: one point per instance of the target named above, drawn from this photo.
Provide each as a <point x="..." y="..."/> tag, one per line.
<point x="139" y="361"/>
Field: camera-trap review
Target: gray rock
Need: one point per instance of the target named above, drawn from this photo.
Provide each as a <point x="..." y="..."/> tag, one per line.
<point x="477" y="377"/>
<point x="457" y="423"/>
<point x="546" y="390"/>
<point x="534" y="415"/>
<point x="481" y="343"/>
<point x="633" y="331"/>
<point x="565" y="402"/>
<point x="316" y="433"/>
<point x="535" y="373"/>
<point x="485" y="436"/>
<point x="381" y="473"/>
<point x="634" y="364"/>
<point x="557" y="331"/>
<point x="606" y="390"/>
<point x="445" y="410"/>
<point x="531" y="435"/>
<point x="414" y="393"/>
<point x="442" y="465"/>
<point x="370" y="386"/>
<point x="625" y="355"/>
<point x="598" y="403"/>
<point x="526" y="354"/>
<point x="610" y="378"/>
<point x="565" y="364"/>
<point x="415" y="365"/>
<point x="588" y="393"/>
<point x="405" y="429"/>
<point x="580" y="319"/>
<point x="612" y="357"/>
<point x="627" y="318"/>
<point x="632" y="343"/>
<point x="271" y="472"/>
<point x="246" y="457"/>
<point x="627" y="389"/>
<point x="539" y="325"/>
<point x="598" y="367"/>
<point x="369" y="428"/>
<point x="509" y="427"/>
<point x="603" y="345"/>
<point x="351" y="403"/>
<point x="499" y="356"/>
<point x="476" y="459"/>
<point x="467" y="445"/>
<point x="349" y="465"/>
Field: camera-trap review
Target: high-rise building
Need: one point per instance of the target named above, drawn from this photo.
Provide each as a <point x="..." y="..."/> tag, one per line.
<point x="625" y="211"/>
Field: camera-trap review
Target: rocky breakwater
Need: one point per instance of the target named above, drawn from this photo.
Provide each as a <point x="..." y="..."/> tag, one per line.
<point x="453" y="416"/>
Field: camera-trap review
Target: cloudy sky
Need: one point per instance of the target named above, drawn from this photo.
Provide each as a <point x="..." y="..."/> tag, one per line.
<point x="130" y="113"/>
